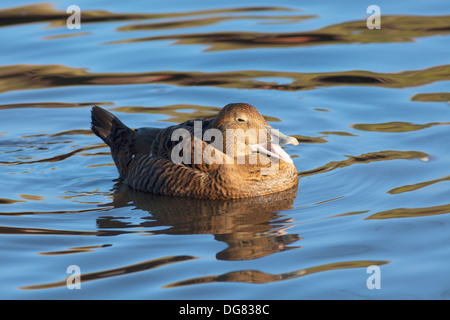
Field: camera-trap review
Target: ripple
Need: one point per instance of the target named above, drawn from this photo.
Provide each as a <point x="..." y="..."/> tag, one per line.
<point x="417" y="186"/>
<point x="9" y="201"/>
<point x="205" y="21"/>
<point x="161" y="63"/>
<point x="400" y="28"/>
<point x="45" y="12"/>
<point x="21" y="213"/>
<point x="139" y="267"/>
<point x="25" y="77"/>
<point x="430" y="97"/>
<point x="395" y="126"/>
<point x="366" y="158"/>
<point x="305" y="139"/>
<point x="43" y="231"/>
<point x="254" y="276"/>
<point x="175" y="112"/>
<point x="50" y="105"/>
<point x="249" y="234"/>
<point x="74" y="250"/>
<point x="411" y="212"/>
<point x="56" y="158"/>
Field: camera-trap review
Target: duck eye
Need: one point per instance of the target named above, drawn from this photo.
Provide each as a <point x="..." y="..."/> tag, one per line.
<point x="240" y="120"/>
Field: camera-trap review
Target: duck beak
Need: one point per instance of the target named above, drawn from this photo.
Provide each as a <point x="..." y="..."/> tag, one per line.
<point x="282" y="138"/>
<point x="273" y="149"/>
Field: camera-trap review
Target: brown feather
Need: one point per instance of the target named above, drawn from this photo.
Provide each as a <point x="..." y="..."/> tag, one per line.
<point x="143" y="158"/>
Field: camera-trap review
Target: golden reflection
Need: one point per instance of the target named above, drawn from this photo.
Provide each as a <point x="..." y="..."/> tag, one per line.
<point x="417" y="186"/>
<point x="31" y="197"/>
<point x="9" y="201"/>
<point x="429" y="97"/>
<point x="8" y="230"/>
<point x="142" y="266"/>
<point x="74" y="250"/>
<point x="395" y="126"/>
<point x="44" y="12"/>
<point x="255" y="276"/>
<point x="67" y="35"/>
<point x="305" y="139"/>
<point x="42" y="231"/>
<point x="395" y="29"/>
<point x="252" y="228"/>
<point x="411" y="212"/>
<point x="352" y="213"/>
<point x="26" y="77"/>
<point x="51" y="105"/>
<point x="338" y="133"/>
<point x="73" y="132"/>
<point x="366" y="158"/>
<point x="56" y="158"/>
<point x="205" y="21"/>
<point x="179" y="113"/>
<point x="83" y="196"/>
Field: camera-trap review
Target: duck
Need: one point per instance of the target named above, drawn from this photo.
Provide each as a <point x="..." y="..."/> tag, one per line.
<point x="234" y="155"/>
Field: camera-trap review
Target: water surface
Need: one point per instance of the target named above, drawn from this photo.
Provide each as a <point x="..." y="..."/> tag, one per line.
<point x="369" y="107"/>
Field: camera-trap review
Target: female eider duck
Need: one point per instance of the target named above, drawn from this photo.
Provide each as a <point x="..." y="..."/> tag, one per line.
<point x="234" y="155"/>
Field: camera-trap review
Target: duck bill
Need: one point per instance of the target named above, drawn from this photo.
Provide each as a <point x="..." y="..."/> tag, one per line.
<point x="273" y="148"/>
<point x="282" y="139"/>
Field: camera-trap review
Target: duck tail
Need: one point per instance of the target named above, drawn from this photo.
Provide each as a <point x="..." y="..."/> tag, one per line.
<point x="116" y="135"/>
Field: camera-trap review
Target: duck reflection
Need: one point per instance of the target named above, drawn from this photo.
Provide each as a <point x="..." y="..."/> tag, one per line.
<point x="252" y="228"/>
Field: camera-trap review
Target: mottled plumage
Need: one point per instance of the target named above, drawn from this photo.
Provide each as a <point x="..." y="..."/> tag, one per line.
<point x="144" y="156"/>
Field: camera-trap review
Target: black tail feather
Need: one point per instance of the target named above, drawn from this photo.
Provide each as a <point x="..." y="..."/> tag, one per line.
<point x="115" y="134"/>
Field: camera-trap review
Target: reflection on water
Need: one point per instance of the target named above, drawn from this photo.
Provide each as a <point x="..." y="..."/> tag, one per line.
<point x="249" y="233"/>
<point x="50" y="105"/>
<point x="439" y="96"/>
<point x="254" y="276"/>
<point x="372" y="161"/>
<point x="411" y="212"/>
<point x="205" y="21"/>
<point x="417" y="186"/>
<point x="395" y="28"/>
<point x="395" y="126"/>
<point x="46" y="12"/>
<point x="367" y="158"/>
<point x="176" y="113"/>
<point x="180" y="113"/>
<point x="24" y="77"/>
<point x="143" y="266"/>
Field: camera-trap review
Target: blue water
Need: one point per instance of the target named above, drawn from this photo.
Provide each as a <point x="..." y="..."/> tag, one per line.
<point x="370" y="108"/>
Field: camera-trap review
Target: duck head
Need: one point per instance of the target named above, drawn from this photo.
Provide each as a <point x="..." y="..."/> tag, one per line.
<point x="245" y="132"/>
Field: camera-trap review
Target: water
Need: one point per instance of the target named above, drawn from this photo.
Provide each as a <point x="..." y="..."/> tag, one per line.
<point x="370" y="108"/>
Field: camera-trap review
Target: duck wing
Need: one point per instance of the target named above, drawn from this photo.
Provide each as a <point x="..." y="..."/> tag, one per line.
<point x="143" y="156"/>
<point x="158" y="142"/>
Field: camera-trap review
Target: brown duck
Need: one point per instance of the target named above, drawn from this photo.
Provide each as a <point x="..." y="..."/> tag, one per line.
<point x="234" y="155"/>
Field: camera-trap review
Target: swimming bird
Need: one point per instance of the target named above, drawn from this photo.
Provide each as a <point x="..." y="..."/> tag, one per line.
<point x="234" y="155"/>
